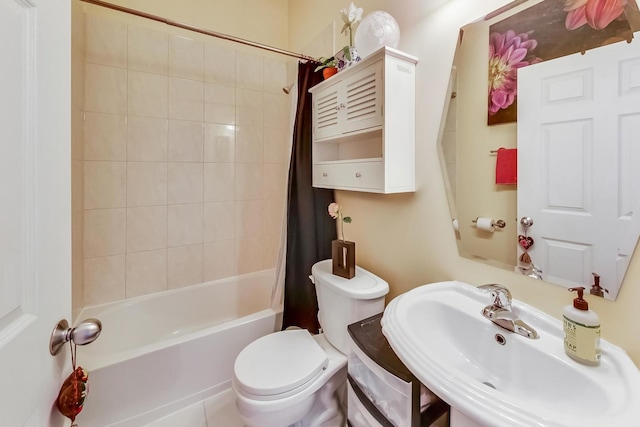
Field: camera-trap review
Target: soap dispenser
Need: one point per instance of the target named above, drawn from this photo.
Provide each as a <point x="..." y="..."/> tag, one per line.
<point x="581" y="330"/>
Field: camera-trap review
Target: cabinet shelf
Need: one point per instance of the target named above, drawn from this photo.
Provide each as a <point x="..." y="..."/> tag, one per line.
<point x="364" y="126"/>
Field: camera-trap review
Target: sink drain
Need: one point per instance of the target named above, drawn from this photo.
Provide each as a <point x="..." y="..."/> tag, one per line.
<point x="488" y="384"/>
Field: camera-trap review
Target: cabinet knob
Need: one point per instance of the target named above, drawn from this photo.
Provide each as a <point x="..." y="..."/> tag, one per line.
<point x="358" y="174"/>
<point x="324" y="174"/>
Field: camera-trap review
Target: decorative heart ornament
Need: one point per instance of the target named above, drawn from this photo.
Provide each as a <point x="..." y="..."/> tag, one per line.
<point x="525" y="242"/>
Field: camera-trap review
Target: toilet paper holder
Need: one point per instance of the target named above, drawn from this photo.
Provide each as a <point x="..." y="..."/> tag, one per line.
<point x="499" y="223"/>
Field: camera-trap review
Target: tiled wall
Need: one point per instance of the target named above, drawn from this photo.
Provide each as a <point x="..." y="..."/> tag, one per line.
<point x="186" y="148"/>
<point x="77" y="155"/>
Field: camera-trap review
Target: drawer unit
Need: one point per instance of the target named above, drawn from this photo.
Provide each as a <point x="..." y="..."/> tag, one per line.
<point x="382" y="391"/>
<point x="350" y="174"/>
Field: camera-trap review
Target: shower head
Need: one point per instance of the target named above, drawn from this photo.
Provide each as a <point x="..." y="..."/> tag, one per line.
<point x="287" y="89"/>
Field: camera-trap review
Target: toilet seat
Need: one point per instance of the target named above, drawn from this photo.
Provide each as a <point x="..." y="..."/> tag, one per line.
<point x="279" y="364"/>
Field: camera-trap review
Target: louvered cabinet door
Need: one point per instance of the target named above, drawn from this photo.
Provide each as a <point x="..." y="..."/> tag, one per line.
<point x="326" y="109"/>
<point x="363" y="100"/>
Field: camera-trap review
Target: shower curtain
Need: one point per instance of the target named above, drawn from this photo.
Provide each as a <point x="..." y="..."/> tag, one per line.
<point x="310" y="229"/>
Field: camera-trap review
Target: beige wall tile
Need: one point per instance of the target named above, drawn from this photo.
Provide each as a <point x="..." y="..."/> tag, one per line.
<point x="219" y="221"/>
<point x="104" y="185"/>
<point x="185" y="266"/>
<point x="148" y="50"/>
<point x="77" y="186"/>
<point x="277" y="146"/>
<point x="146" y="139"/>
<point x="273" y="215"/>
<point x="219" y="260"/>
<point x="219" y="182"/>
<point x="185" y="183"/>
<point x="104" y="232"/>
<point x="219" y="143"/>
<point x="77" y="133"/>
<point x="249" y="71"/>
<point x="249" y="144"/>
<point x="249" y="219"/>
<point x="186" y="141"/>
<point x="277" y="111"/>
<point x="146" y="183"/>
<point x="249" y="181"/>
<point x="219" y="104"/>
<point x="275" y="181"/>
<point x="146" y="228"/>
<point x="275" y="75"/>
<point x="146" y="273"/>
<point x="105" y="137"/>
<point x="186" y="58"/>
<point x="77" y="261"/>
<point x="219" y="65"/>
<point x="148" y="95"/>
<point x="185" y="224"/>
<point x="106" y="41"/>
<point x="249" y="255"/>
<point x="105" y="89"/>
<point x="272" y="243"/>
<point x="186" y="99"/>
<point x="104" y="279"/>
<point x="249" y="108"/>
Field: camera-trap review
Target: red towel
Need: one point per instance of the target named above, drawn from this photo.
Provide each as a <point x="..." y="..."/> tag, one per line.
<point x="507" y="166"/>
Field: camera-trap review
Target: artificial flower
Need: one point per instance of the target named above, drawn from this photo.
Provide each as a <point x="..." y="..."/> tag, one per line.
<point x="507" y="52"/>
<point x="350" y="16"/>
<point x="335" y="212"/>
<point x="597" y="13"/>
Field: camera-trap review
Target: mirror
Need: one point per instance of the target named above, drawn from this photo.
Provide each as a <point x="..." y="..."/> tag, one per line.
<point x="563" y="161"/>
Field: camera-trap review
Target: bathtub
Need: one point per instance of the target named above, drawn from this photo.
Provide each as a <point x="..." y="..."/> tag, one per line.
<point x="161" y="352"/>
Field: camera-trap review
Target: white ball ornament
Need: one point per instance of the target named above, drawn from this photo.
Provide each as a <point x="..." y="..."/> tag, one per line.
<point x="377" y="29"/>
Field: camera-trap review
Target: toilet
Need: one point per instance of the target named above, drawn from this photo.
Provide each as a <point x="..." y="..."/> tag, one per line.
<point x="294" y="378"/>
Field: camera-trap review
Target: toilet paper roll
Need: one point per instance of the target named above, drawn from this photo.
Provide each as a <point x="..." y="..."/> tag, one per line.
<point x="485" y="224"/>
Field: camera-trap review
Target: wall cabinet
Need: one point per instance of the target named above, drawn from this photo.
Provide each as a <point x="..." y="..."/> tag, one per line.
<point x="364" y="126"/>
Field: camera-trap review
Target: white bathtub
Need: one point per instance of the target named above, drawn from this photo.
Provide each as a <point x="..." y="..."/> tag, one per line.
<point x="158" y="353"/>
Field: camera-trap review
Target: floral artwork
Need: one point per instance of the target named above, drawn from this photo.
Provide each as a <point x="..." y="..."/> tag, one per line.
<point x="548" y="30"/>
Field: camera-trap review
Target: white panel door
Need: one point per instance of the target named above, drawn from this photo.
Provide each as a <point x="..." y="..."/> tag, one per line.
<point x="578" y="156"/>
<point x="35" y="206"/>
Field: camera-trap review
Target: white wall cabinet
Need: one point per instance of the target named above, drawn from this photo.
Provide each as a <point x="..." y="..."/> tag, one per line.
<point x="364" y="126"/>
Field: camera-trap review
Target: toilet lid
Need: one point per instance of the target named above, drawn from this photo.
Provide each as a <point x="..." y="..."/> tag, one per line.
<point x="279" y="362"/>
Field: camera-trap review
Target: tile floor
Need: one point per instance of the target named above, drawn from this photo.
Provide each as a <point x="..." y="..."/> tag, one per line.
<point x="217" y="411"/>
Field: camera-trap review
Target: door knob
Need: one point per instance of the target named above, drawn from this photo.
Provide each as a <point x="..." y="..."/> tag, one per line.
<point x="86" y="332"/>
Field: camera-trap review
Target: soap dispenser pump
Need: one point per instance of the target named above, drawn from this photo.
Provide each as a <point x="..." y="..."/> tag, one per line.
<point x="581" y="330"/>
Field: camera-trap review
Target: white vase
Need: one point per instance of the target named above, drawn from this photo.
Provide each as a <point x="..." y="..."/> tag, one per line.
<point x="343" y="62"/>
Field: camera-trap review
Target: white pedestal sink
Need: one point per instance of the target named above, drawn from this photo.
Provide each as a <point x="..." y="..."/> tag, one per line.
<point x="494" y="377"/>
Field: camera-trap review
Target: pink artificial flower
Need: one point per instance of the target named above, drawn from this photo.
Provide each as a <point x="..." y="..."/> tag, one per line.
<point x="597" y="13"/>
<point x="334" y="210"/>
<point x="507" y="53"/>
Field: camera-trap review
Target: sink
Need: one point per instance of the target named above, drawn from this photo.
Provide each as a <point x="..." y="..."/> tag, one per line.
<point x="498" y="378"/>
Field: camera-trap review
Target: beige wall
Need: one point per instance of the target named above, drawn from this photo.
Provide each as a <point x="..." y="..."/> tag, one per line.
<point x="407" y="239"/>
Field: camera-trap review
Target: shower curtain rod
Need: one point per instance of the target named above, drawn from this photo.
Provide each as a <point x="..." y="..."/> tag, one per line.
<point x="198" y="29"/>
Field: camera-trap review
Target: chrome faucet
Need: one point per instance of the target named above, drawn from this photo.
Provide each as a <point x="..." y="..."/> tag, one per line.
<point x="500" y="313"/>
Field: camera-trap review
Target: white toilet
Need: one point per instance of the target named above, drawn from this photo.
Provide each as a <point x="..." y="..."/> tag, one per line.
<point x="295" y="378"/>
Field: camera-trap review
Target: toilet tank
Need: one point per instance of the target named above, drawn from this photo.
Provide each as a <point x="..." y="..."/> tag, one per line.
<point x="342" y="302"/>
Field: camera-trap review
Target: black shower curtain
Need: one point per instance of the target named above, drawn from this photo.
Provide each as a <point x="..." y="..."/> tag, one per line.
<point x="310" y="229"/>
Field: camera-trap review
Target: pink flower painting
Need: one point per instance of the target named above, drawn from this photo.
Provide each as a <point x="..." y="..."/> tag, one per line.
<point x="597" y="13"/>
<point x="544" y="31"/>
<point x="507" y="52"/>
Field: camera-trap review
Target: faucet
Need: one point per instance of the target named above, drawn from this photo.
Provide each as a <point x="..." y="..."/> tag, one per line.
<point x="500" y="312"/>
